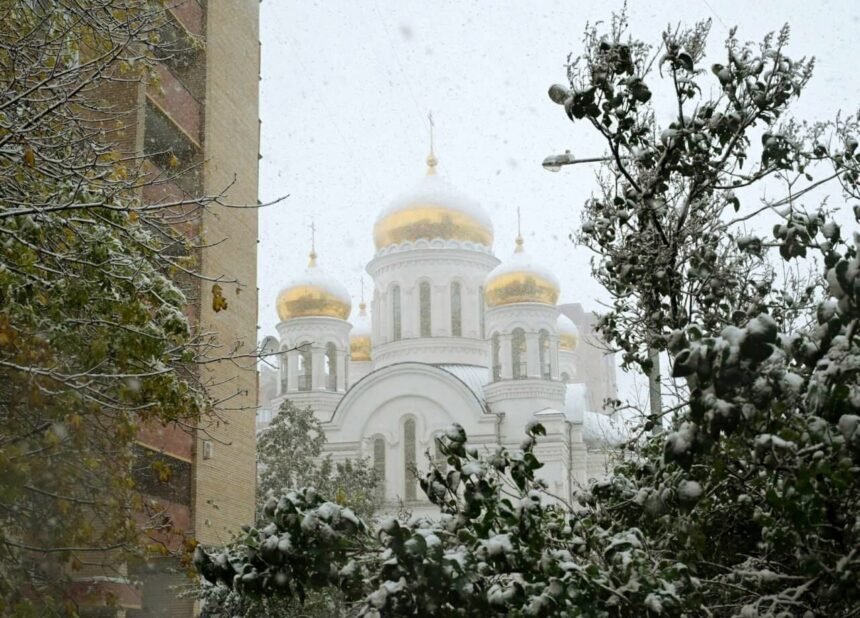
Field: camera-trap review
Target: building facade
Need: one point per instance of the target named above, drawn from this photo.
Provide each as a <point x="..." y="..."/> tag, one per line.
<point x="453" y="335"/>
<point x="196" y="127"/>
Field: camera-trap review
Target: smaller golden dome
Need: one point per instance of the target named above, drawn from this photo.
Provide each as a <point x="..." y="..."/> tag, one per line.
<point x="359" y="336"/>
<point x="314" y="294"/>
<point x="568" y="333"/>
<point x="519" y="280"/>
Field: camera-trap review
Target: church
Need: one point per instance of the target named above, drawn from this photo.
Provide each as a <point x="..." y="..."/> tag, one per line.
<point x="453" y="334"/>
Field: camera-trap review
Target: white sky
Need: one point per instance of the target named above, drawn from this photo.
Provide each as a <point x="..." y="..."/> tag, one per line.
<point x="347" y="87"/>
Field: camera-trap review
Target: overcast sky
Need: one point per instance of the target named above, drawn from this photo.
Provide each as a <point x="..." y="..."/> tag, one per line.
<point x="347" y="87"/>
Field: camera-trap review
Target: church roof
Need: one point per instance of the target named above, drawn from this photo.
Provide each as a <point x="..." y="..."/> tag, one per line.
<point x="473" y="376"/>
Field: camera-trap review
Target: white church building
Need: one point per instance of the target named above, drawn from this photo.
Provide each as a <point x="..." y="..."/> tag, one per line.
<point x="452" y="334"/>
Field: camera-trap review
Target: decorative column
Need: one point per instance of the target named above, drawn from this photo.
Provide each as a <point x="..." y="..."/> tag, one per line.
<point x="440" y="310"/>
<point x="532" y="355"/>
<point x="409" y="312"/>
<point x="554" y="360"/>
<point x="469" y="312"/>
<point x="293" y="370"/>
<point x="341" y="371"/>
<point x="318" y="365"/>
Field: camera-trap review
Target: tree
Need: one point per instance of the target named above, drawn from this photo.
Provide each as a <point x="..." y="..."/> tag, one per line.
<point x="290" y="454"/>
<point x="747" y="505"/>
<point x="94" y="337"/>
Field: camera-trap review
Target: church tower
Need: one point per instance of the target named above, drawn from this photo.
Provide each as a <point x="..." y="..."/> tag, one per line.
<point x="434" y="250"/>
<point x="314" y="340"/>
<point x="523" y="351"/>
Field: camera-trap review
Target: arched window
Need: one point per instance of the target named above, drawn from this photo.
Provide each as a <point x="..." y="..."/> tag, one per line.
<point x="331" y="366"/>
<point x="456" y="310"/>
<point x="379" y="466"/>
<point x="424" y="306"/>
<point x="481" y="309"/>
<point x="306" y="369"/>
<point x="565" y="377"/>
<point x="283" y="370"/>
<point x="397" y="330"/>
<point x="409" y="466"/>
<point x="545" y="361"/>
<point x="497" y="359"/>
<point x="518" y="354"/>
<point x="439" y="460"/>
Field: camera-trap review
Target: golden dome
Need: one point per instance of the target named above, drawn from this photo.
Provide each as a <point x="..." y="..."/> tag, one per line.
<point x="434" y="209"/>
<point x="359" y="336"/>
<point x="314" y="294"/>
<point x="520" y="281"/>
<point x="568" y="333"/>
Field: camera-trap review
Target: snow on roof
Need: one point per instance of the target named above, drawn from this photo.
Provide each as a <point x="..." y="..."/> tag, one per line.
<point x="435" y="190"/>
<point x="602" y="430"/>
<point x="473" y="376"/>
<point x="522" y="261"/>
<point x="315" y="277"/>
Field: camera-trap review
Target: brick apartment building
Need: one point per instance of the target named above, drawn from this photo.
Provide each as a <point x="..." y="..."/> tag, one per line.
<point x="202" y="110"/>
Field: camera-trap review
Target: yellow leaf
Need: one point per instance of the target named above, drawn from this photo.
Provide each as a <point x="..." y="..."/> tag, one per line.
<point x="219" y="303"/>
<point x="29" y="157"/>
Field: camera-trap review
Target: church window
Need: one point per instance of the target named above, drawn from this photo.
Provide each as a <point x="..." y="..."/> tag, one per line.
<point x="306" y="371"/>
<point x="545" y="362"/>
<point x="424" y="306"/>
<point x="481" y="309"/>
<point x="456" y="310"/>
<point x="397" y="333"/>
<point x="379" y="466"/>
<point x="497" y="359"/>
<point x="439" y="460"/>
<point x="409" y="465"/>
<point x="331" y="367"/>
<point x="518" y="354"/>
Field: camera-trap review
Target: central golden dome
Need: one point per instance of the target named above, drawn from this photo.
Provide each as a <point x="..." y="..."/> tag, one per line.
<point x="314" y="294"/>
<point x="434" y="209"/>
<point x="520" y="281"/>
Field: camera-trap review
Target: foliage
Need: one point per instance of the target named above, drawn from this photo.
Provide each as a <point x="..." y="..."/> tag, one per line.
<point x="748" y="505"/>
<point x="290" y="454"/>
<point x="94" y="338"/>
